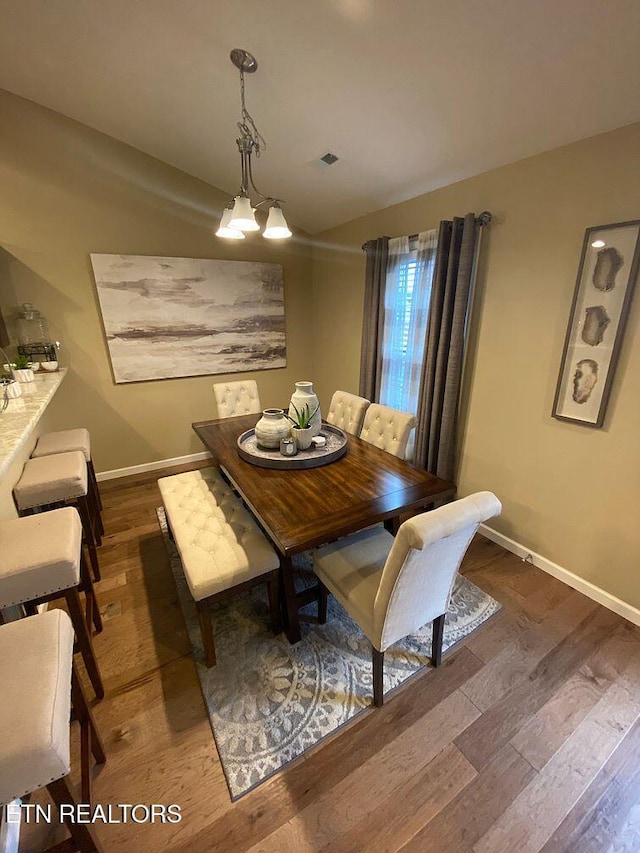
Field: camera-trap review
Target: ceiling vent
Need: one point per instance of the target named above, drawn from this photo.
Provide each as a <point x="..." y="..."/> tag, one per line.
<point x="329" y="158"/>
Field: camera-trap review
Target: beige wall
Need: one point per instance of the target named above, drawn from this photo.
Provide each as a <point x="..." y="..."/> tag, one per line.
<point x="68" y="191"/>
<point x="570" y="493"/>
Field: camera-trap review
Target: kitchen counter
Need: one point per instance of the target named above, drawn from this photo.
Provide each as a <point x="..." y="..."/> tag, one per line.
<point x="19" y="426"/>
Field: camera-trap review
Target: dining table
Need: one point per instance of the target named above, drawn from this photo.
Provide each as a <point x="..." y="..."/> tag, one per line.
<point x="299" y="509"/>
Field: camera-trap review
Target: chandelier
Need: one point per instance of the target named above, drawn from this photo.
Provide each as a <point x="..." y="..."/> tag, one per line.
<point x="239" y="216"/>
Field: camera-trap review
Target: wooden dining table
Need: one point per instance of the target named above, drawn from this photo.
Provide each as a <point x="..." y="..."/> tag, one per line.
<point x="300" y="509"/>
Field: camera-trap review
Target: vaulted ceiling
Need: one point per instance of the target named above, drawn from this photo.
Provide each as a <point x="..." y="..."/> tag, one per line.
<point x="409" y="94"/>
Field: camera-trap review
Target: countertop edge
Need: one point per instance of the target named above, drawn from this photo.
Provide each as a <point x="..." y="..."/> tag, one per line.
<point x="17" y="425"/>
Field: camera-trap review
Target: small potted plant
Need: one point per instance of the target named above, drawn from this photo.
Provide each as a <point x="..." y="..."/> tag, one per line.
<point x="302" y="430"/>
<point x="21" y="369"/>
<point x="9" y="388"/>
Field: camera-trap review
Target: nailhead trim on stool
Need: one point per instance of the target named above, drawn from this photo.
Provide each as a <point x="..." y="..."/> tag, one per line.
<point x="56" y="479"/>
<point x="42" y="561"/>
<point x="39" y="685"/>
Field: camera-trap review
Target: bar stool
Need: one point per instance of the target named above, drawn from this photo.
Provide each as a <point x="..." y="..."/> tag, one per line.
<point x="65" y="441"/>
<point x="42" y="560"/>
<point x="39" y="686"/>
<point x="56" y="480"/>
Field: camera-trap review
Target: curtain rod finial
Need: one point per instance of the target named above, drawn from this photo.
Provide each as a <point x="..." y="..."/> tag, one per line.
<point x="484" y="218"/>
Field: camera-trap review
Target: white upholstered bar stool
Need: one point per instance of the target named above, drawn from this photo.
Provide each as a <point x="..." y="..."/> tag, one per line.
<point x="61" y="478"/>
<point x="41" y="560"/>
<point x="387" y="428"/>
<point x="39" y="685"/>
<point x="347" y="411"/>
<point x="237" y="398"/>
<point x="64" y="441"/>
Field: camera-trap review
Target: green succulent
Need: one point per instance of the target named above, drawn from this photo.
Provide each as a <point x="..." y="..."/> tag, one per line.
<point x="303" y="416"/>
<point x="21" y="362"/>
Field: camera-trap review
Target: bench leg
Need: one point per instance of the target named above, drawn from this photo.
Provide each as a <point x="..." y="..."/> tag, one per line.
<point x="206" y="630"/>
<point x="322" y="603"/>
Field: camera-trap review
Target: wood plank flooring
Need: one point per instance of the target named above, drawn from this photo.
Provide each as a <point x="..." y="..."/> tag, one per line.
<point x="526" y="739"/>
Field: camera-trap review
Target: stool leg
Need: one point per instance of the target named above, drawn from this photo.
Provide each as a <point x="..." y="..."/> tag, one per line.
<point x="93" y="497"/>
<point x="94" y="512"/>
<point x="87" y="526"/>
<point x="206" y="630"/>
<point x="89" y="738"/>
<point x="94" y="480"/>
<point x="86" y="586"/>
<point x="84" y="639"/>
<point x="81" y="833"/>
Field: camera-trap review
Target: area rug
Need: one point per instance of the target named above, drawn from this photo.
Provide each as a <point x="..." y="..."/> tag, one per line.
<point x="269" y="701"/>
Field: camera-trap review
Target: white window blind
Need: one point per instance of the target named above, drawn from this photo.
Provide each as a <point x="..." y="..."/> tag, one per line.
<point x="406" y="316"/>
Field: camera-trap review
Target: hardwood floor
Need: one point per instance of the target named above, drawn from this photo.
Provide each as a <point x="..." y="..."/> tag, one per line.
<point x="527" y="738"/>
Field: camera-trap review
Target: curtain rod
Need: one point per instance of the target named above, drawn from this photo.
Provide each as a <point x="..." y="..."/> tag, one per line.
<point x="482" y="219"/>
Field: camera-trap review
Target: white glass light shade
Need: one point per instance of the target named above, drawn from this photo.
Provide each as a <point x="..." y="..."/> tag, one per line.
<point x="242" y="216"/>
<point x="225" y="231"/>
<point x="277" y="228"/>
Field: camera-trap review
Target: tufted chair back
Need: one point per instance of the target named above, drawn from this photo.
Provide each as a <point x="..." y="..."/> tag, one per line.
<point x="387" y="428"/>
<point x="418" y="576"/>
<point x="347" y="411"/>
<point x="237" y="398"/>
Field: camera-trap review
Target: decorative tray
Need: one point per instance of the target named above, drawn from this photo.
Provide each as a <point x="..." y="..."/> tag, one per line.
<point x="336" y="446"/>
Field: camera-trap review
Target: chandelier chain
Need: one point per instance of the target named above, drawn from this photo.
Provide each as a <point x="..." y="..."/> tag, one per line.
<point x="247" y="125"/>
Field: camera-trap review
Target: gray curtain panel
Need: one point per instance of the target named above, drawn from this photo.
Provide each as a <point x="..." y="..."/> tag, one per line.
<point x="377" y="253"/>
<point x="436" y="433"/>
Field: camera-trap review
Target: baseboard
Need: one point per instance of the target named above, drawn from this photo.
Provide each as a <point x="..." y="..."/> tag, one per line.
<point x="628" y="611"/>
<point x="152" y="466"/>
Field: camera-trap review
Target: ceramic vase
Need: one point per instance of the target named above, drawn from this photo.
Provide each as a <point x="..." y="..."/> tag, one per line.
<point x="303" y="437"/>
<point x="12" y="389"/>
<point x="24" y="375"/>
<point x="271" y="427"/>
<point x="304" y="395"/>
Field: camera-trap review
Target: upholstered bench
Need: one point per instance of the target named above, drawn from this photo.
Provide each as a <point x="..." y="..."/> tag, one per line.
<point x="221" y="547"/>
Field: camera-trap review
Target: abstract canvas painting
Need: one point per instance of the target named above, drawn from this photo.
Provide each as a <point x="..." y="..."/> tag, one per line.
<point x="170" y="317"/>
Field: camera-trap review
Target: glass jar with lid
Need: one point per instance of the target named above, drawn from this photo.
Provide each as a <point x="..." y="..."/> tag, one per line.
<point x="32" y="326"/>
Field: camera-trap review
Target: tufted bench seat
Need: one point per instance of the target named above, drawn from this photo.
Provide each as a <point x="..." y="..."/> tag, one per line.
<point x="221" y="547"/>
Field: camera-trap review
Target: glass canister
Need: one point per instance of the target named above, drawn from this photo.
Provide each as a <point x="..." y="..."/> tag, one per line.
<point x="32" y="326"/>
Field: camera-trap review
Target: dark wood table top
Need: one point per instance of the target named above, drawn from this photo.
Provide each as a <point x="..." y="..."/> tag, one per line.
<point x="299" y="509"/>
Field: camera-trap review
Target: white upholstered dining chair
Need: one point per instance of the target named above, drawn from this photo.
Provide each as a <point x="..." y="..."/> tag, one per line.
<point x="237" y="398"/>
<point x="347" y="411"/>
<point x="387" y="428"/>
<point x="393" y="586"/>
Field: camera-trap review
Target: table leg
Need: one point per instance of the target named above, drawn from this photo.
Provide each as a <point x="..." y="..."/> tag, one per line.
<point x="290" y="601"/>
<point x="392" y="525"/>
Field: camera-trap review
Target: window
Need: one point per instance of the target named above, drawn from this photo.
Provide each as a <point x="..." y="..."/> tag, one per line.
<point x="406" y="316"/>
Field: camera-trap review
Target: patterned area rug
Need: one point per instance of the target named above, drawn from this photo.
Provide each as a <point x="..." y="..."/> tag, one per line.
<point x="269" y="701"/>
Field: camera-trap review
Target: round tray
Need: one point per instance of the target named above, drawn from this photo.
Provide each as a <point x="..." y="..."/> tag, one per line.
<point x="335" y="447"/>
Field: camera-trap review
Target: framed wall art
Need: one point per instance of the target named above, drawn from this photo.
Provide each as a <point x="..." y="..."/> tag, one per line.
<point x="171" y="317"/>
<point x="606" y="276"/>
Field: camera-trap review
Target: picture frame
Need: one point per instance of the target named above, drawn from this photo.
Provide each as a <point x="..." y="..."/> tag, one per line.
<point x="166" y="318"/>
<point x="607" y="274"/>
